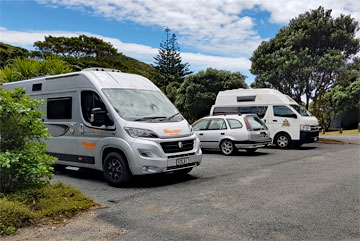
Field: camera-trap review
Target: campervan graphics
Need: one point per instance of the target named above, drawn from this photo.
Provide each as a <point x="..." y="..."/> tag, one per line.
<point x="289" y="123"/>
<point x="119" y="123"/>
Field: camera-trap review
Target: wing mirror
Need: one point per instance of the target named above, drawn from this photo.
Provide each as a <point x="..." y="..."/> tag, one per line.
<point x="98" y="117"/>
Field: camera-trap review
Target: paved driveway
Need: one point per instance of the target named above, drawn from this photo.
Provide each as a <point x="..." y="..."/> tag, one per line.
<point x="307" y="194"/>
<point x="348" y="138"/>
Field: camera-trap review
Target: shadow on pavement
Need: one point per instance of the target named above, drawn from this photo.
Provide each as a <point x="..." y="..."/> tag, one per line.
<point x="146" y="181"/>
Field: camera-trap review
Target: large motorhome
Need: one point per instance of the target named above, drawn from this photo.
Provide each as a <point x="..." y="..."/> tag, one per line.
<point x="289" y="123"/>
<point x="119" y="123"/>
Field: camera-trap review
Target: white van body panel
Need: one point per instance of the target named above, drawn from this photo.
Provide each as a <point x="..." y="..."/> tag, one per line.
<point x="77" y="143"/>
<point x="268" y="98"/>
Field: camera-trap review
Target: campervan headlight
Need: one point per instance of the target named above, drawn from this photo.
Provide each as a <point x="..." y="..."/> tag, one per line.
<point x="137" y="132"/>
<point x="305" y="127"/>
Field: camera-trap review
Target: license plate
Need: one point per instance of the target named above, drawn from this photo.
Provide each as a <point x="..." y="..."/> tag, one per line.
<point x="182" y="161"/>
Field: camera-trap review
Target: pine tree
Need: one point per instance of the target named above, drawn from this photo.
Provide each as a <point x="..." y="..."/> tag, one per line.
<point x="168" y="62"/>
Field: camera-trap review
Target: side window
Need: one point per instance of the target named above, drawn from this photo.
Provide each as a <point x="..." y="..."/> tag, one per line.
<point x="282" y="111"/>
<point x="89" y="101"/>
<point x="257" y="110"/>
<point x="225" y="110"/>
<point x="234" y="124"/>
<point x="260" y="111"/>
<point x="201" y="125"/>
<point x="217" y="124"/>
<point x="59" y="108"/>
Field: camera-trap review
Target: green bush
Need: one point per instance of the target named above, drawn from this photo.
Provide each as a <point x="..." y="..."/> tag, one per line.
<point x="23" y="159"/>
<point x="53" y="202"/>
<point x="13" y="215"/>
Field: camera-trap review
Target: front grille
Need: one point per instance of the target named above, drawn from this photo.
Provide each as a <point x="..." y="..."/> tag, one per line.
<point x="314" y="128"/>
<point x="173" y="146"/>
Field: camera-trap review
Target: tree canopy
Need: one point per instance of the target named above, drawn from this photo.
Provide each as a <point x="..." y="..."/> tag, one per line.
<point x="82" y="46"/>
<point x="198" y="92"/>
<point x="307" y="56"/>
<point x="169" y="62"/>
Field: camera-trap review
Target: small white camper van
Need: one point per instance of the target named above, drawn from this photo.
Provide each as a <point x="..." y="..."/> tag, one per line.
<point x="119" y="123"/>
<point x="289" y="123"/>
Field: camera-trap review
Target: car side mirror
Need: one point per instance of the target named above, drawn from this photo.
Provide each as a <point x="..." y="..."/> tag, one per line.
<point x="293" y="116"/>
<point x="98" y="117"/>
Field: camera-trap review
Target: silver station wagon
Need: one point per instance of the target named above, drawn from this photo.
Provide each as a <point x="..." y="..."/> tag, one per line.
<point x="232" y="132"/>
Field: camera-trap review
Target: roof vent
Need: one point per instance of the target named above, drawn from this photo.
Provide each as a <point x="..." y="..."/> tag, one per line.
<point x="101" y="69"/>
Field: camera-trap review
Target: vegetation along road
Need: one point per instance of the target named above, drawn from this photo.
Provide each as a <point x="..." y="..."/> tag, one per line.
<point x="307" y="194"/>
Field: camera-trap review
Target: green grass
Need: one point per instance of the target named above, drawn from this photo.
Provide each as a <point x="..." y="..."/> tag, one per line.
<point x="338" y="132"/>
<point x="53" y="202"/>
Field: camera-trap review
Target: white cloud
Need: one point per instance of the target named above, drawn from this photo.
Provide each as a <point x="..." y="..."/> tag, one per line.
<point x="216" y="26"/>
<point x="141" y="52"/>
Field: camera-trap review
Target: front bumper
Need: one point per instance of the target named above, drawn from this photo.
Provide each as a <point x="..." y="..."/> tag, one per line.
<point x="147" y="157"/>
<point x="308" y="136"/>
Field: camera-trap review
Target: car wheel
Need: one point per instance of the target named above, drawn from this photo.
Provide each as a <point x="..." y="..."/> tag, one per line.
<point x="283" y="141"/>
<point x="227" y="147"/>
<point x="116" y="170"/>
<point x="251" y="150"/>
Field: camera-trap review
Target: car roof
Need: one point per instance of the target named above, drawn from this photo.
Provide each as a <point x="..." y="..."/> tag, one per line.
<point x="236" y="116"/>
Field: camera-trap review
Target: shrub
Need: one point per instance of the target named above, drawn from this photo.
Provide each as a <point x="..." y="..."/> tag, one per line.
<point x="53" y="202"/>
<point x="13" y="215"/>
<point x="23" y="159"/>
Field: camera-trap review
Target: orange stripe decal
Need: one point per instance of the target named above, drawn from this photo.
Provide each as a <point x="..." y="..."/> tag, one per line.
<point x="89" y="145"/>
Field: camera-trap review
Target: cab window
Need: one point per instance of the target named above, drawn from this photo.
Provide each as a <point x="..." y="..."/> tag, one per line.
<point x="89" y="101"/>
<point x="234" y="124"/>
<point x="217" y="124"/>
<point x="200" y="125"/>
<point x="283" y="111"/>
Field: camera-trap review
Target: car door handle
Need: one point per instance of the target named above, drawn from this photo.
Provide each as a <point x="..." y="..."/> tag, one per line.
<point x="201" y="134"/>
<point x="222" y="133"/>
<point x="274" y="120"/>
<point x="81" y="128"/>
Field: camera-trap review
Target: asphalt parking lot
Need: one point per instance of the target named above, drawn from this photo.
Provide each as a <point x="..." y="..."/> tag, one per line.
<point x="310" y="193"/>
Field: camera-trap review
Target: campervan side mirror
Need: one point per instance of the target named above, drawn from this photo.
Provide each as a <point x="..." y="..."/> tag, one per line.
<point x="98" y="117"/>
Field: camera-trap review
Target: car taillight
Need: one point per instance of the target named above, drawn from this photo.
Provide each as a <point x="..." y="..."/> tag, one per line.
<point x="247" y="124"/>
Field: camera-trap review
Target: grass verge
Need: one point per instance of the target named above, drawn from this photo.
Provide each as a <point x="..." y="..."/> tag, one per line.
<point x="50" y="203"/>
<point x="338" y="132"/>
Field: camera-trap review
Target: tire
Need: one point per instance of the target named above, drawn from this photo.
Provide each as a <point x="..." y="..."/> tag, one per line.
<point x="116" y="170"/>
<point x="283" y="141"/>
<point x="183" y="171"/>
<point x="251" y="150"/>
<point x="227" y="147"/>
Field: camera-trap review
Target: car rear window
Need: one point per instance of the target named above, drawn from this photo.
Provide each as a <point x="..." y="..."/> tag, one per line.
<point x="234" y="124"/>
<point x="255" y="123"/>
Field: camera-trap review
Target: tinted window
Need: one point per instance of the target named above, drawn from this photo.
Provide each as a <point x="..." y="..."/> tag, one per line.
<point x="282" y="111"/>
<point x="225" y="110"/>
<point x="260" y="111"/>
<point x="234" y="124"/>
<point x="217" y="124"/>
<point x="301" y="110"/>
<point x="256" y="124"/>
<point x="89" y="101"/>
<point x="201" y="125"/>
<point x="59" y="108"/>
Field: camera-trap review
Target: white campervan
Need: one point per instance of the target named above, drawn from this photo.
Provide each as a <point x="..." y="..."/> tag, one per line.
<point x="119" y="123"/>
<point x="289" y="123"/>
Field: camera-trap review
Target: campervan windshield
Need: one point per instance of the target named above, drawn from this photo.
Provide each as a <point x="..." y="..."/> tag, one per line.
<point x="142" y="105"/>
<point x="301" y="110"/>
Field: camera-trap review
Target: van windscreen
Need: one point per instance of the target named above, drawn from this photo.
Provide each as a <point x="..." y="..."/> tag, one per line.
<point x="142" y="105"/>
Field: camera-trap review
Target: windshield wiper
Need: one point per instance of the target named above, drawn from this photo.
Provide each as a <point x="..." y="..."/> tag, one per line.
<point x="150" y="118"/>
<point x="172" y="116"/>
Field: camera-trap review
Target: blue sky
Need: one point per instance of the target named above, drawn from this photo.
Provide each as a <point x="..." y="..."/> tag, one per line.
<point x="212" y="33"/>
